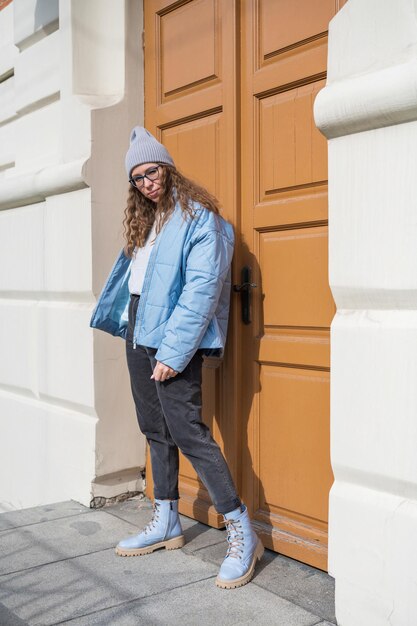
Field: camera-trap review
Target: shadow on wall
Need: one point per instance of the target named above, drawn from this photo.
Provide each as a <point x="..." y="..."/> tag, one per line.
<point x="245" y="475"/>
<point x="46" y="13"/>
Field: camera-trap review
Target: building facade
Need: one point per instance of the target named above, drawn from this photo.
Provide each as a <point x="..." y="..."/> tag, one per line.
<point x="314" y="403"/>
<point x="68" y="97"/>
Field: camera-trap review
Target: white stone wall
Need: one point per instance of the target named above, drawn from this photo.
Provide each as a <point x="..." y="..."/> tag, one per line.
<point x="69" y="94"/>
<point x="368" y="111"/>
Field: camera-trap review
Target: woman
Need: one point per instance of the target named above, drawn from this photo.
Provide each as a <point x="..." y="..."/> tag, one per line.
<point x="168" y="296"/>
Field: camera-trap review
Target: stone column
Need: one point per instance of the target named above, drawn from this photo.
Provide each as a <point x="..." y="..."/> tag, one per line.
<point x="368" y="111"/>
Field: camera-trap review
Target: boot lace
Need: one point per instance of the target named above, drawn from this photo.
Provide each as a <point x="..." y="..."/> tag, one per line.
<point x="235" y="539"/>
<point x="155" y="518"/>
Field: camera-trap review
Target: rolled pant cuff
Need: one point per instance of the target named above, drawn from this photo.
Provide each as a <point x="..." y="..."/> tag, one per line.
<point x="226" y="507"/>
<point x="164" y="496"/>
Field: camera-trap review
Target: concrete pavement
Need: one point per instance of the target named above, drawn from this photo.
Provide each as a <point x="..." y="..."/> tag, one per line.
<point x="57" y="566"/>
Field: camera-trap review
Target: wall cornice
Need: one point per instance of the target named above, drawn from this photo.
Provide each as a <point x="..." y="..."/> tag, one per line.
<point x="373" y="100"/>
<point x="33" y="187"/>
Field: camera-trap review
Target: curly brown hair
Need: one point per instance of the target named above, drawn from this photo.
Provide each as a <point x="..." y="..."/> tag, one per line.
<point x="141" y="212"/>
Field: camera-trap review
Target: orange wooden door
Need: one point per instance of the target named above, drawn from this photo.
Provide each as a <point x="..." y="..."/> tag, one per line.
<point x="286" y="474"/>
<point x="229" y="88"/>
<point x="190" y="105"/>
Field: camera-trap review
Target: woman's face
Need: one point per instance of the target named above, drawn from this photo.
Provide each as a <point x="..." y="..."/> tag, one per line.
<point x="148" y="179"/>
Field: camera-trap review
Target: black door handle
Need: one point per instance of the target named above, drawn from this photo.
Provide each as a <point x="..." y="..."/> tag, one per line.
<point x="244" y="289"/>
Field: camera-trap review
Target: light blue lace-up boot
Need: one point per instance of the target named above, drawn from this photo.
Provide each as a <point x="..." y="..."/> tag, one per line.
<point x="244" y="548"/>
<point x="163" y="531"/>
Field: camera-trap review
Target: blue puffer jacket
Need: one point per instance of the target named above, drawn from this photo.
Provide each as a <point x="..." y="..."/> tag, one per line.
<point x="185" y="297"/>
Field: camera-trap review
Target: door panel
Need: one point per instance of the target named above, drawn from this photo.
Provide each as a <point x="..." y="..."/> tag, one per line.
<point x="292" y="152"/>
<point x="286" y="473"/>
<point x="293" y="23"/>
<point x="190" y="105"/>
<point x="292" y="401"/>
<point x="195" y="145"/>
<point x="294" y="278"/>
<point x="188" y="58"/>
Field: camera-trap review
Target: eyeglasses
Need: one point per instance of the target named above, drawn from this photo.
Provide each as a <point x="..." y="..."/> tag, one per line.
<point x="151" y="174"/>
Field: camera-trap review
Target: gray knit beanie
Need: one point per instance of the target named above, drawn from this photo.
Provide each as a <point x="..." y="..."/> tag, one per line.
<point x="144" y="148"/>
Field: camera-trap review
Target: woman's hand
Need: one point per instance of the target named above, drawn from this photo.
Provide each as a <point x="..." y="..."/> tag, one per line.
<point x="162" y="372"/>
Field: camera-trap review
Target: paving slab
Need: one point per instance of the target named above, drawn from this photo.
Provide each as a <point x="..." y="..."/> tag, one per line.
<point x="37" y="544"/>
<point x="203" y="604"/>
<point x="83" y="585"/>
<point x="306" y="586"/>
<point x="40" y="514"/>
<point x="138" y="512"/>
<point x="7" y="618"/>
<point x="199" y="536"/>
<point x="301" y="584"/>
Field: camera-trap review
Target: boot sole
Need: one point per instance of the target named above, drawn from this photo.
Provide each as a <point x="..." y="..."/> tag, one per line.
<point x="171" y="544"/>
<point x="243" y="580"/>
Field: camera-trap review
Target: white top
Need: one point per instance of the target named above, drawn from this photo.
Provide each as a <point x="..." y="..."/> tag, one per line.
<point x="140" y="263"/>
